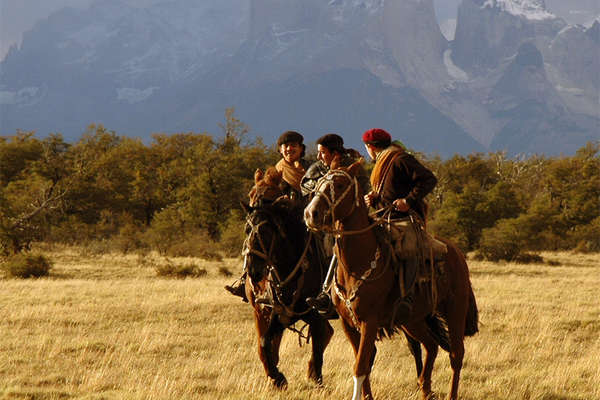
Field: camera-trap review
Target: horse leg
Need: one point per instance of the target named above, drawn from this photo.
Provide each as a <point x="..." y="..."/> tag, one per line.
<point x="354" y="338"/>
<point x="270" y="347"/>
<point x="364" y="359"/>
<point x="415" y="349"/>
<point x="420" y="332"/>
<point x="321" y="333"/>
<point x="261" y="321"/>
<point x="456" y="329"/>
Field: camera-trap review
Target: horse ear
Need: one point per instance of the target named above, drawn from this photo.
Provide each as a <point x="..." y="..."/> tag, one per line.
<point x="258" y="175"/>
<point x="246" y="207"/>
<point x="354" y="168"/>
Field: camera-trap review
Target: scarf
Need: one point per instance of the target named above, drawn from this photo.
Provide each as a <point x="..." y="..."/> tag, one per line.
<point x="383" y="162"/>
<point x="291" y="174"/>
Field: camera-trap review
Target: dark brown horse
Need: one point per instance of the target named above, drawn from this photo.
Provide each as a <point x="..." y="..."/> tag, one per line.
<point x="366" y="287"/>
<point x="283" y="268"/>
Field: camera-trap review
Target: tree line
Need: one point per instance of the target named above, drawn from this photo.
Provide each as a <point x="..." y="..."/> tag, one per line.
<point x="180" y="194"/>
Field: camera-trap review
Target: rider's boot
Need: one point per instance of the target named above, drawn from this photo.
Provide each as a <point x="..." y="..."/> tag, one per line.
<point x="403" y="308"/>
<point x="323" y="304"/>
<point x="238" y="288"/>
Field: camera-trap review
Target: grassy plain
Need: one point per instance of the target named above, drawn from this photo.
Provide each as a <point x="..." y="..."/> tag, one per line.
<point x="106" y="327"/>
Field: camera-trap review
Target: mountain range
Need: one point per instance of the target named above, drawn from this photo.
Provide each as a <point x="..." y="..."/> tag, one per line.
<point x="515" y="77"/>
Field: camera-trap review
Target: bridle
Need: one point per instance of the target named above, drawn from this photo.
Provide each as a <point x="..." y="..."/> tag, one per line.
<point x="275" y="281"/>
<point x="263" y="253"/>
<point x="327" y="182"/>
<point x="320" y="190"/>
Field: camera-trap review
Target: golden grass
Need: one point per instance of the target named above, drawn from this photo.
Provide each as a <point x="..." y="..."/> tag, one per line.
<point x="105" y="327"/>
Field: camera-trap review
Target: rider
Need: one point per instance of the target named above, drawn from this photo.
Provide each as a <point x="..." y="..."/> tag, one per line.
<point x="398" y="180"/>
<point x="292" y="166"/>
<point x="330" y="147"/>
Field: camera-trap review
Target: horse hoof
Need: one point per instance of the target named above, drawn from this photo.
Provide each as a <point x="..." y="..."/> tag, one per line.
<point x="279" y="381"/>
<point x="312" y="374"/>
<point x="317" y="379"/>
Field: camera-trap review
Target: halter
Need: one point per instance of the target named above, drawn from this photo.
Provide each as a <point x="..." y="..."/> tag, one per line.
<point x="276" y="284"/>
<point x="327" y="182"/>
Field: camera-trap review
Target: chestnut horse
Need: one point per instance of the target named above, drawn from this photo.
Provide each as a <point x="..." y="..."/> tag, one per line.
<point x="366" y="286"/>
<point x="283" y="268"/>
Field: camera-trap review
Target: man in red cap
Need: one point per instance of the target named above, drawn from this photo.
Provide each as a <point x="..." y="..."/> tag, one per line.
<point x="399" y="183"/>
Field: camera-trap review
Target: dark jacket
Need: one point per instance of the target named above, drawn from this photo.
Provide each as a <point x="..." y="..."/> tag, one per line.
<point x="408" y="179"/>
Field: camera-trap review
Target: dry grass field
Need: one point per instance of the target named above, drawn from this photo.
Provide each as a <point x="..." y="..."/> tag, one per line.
<point x="106" y="327"/>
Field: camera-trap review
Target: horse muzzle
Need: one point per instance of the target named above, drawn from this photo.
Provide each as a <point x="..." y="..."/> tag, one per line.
<point x="314" y="216"/>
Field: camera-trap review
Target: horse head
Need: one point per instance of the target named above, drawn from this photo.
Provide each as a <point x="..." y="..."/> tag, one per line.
<point x="336" y="196"/>
<point x="273" y="232"/>
<point x="267" y="187"/>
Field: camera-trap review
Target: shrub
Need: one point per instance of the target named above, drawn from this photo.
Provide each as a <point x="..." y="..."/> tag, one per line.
<point x="232" y="234"/>
<point x="501" y="242"/>
<point x="224" y="271"/>
<point x="166" y="230"/>
<point x="587" y="237"/>
<point x="529" y="258"/>
<point x="194" y="245"/>
<point x="27" y="266"/>
<point x="180" y="271"/>
<point x="129" y="239"/>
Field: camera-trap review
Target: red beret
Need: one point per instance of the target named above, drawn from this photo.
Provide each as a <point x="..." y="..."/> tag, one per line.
<point x="376" y="135"/>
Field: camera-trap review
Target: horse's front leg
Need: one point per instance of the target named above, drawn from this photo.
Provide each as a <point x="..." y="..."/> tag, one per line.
<point x="364" y="359"/>
<point x="321" y="333"/>
<point x="270" y="346"/>
<point x="363" y="344"/>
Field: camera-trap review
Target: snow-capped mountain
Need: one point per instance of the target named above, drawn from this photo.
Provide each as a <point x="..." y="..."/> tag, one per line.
<point x="315" y="66"/>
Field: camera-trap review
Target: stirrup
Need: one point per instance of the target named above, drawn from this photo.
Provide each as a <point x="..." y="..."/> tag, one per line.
<point x="238" y="290"/>
<point x="402" y="310"/>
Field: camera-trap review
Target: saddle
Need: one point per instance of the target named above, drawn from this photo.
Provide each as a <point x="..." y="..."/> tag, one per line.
<point x="410" y="239"/>
<point x="419" y="256"/>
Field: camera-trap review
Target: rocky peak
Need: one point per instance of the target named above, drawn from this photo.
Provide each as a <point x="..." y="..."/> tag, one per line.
<point x="490" y="31"/>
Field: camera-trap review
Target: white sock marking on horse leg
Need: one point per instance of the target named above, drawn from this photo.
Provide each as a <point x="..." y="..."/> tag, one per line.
<point x="358" y="382"/>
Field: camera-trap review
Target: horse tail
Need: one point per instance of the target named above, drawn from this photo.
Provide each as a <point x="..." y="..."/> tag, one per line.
<point x="472" y="320"/>
<point x="438" y="328"/>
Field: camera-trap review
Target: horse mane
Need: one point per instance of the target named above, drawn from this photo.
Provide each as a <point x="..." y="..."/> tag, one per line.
<point x="267" y="186"/>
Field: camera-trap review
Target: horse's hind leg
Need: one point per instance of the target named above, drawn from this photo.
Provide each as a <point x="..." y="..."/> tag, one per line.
<point x="415" y="349"/>
<point x="421" y="333"/>
<point x="456" y="328"/>
<point x="321" y="333"/>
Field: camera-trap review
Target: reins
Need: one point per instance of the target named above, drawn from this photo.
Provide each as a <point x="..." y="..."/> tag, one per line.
<point x="276" y="283"/>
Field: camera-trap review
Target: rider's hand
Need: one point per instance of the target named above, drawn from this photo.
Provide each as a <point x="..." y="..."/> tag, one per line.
<point x="401" y="205"/>
<point x="370" y="199"/>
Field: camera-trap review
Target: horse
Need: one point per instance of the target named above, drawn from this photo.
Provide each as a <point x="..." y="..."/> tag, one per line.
<point x="283" y="268"/>
<point x="366" y="287"/>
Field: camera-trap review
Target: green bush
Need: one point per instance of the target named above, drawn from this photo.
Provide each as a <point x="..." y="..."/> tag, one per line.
<point x="232" y="234"/>
<point x="27" y="266"/>
<point x="587" y="237"/>
<point x="180" y="271"/>
<point x="166" y="230"/>
<point x="129" y="239"/>
<point x="501" y="242"/>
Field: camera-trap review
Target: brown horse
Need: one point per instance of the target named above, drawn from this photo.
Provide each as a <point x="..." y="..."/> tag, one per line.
<point x="366" y="287"/>
<point x="283" y="268"/>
